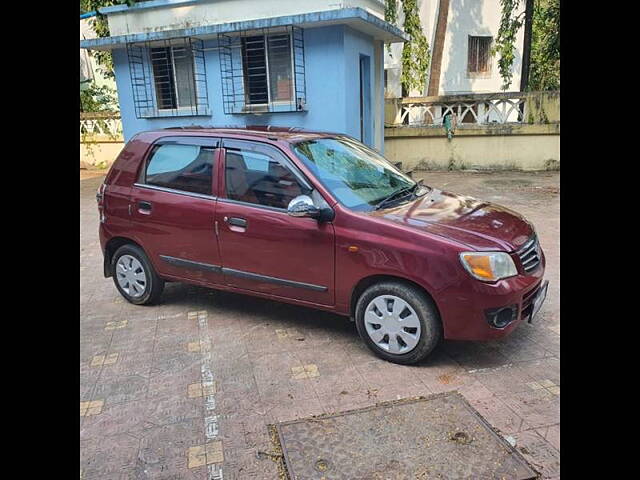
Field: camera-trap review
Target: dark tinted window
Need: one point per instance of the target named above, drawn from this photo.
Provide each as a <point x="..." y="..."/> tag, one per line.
<point x="181" y="167"/>
<point x="479" y="55"/>
<point x="260" y="178"/>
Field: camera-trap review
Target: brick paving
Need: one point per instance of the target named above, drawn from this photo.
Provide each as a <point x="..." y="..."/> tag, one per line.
<point x="186" y="388"/>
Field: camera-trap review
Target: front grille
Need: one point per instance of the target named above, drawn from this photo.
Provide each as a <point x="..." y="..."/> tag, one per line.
<point x="528" y="298"/>
<point x="529" y="254"/>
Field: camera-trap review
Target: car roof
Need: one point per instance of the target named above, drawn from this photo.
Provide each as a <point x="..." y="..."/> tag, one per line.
<point x="270" y="132"/>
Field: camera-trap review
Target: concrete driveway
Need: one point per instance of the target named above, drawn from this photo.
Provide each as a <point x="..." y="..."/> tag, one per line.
<point x="186" y="389"/>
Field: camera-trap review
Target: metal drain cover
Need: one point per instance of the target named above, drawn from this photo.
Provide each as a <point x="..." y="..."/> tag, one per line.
<point x="436" y="437"/>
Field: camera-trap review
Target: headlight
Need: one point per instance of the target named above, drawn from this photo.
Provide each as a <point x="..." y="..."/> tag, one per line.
<point x="488" y="266"/>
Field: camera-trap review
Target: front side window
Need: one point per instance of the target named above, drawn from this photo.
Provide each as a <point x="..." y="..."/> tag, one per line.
<point x="356" y="175"/>
<point x="260" y="177"/>
<point x="268" y="69"/>
<point x="187" y="168"/>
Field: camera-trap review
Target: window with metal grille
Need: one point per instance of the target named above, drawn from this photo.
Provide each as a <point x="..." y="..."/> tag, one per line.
<point x="255" y="70"/>
<point x="263" y="70"/>
<point x="268" y="71"/>
<point x="479" y="56"/>
<point x="168" y="78"/>
<point x="173" y="77"/>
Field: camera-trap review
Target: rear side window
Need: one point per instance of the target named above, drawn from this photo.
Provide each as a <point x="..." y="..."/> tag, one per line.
<point x="188" y="168"/>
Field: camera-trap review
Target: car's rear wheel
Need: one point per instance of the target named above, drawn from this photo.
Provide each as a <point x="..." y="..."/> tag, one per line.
<point x="134" y="276"/>
<point x="398" y="322"/>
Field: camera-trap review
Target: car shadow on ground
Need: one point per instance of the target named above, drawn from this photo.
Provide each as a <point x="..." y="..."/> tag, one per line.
<point x="249" y="312"/>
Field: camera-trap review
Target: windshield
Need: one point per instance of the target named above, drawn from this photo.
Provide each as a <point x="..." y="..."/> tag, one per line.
<point x="356" y="175"/>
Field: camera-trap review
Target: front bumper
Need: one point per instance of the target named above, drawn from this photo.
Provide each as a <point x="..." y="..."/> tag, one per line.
<point x="464" y="309"/>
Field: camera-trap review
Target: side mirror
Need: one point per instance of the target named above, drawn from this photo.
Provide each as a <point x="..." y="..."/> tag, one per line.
<point x="303" y="206"/>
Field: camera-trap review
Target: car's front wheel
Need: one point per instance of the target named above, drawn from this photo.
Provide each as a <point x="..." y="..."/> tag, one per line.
<point x="134" y="276"/>
<point x="398" y="321"/>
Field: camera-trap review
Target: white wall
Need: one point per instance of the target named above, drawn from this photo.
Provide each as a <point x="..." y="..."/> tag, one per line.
<point x="465" y="17"/>
<point x="211" y="12"/>
<point x="478" y="18"/>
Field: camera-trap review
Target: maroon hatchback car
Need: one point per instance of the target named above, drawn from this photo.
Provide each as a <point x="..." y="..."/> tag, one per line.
<point x="320" y="220"/>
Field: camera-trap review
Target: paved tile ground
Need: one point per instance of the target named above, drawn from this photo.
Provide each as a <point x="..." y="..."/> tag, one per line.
<point x="187" y="387"/>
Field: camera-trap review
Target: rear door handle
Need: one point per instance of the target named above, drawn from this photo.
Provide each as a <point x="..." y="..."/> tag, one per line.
<point x="144" y="206"/>
<point x="236" y="221"/>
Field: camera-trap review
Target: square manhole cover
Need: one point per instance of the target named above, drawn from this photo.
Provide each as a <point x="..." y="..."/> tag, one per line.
<point x="437" y="437"/>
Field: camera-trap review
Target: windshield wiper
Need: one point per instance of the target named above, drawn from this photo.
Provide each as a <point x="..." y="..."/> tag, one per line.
<point x="421" y="185"/>
<point x="394" y="195"/>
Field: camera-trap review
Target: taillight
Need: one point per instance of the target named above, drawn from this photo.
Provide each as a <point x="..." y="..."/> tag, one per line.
<point x="100" y="198"/>
<point x="100" y="194"/>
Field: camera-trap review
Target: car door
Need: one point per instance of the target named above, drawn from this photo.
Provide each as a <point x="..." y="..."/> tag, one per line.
<point x="262" y="248"/>
<point x="173" y="208"/>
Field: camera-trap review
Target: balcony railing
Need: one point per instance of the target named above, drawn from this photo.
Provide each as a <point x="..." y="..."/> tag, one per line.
<point x="474" y="109"/>
<point x="100" y="126"/>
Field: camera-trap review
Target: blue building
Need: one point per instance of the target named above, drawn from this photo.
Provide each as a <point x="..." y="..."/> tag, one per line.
<point x="313" y="64"/>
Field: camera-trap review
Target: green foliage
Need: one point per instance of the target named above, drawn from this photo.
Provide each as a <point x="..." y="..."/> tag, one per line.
<point x="544" y="69"/>
<point x="510" y="23"/>
<point x="391" y="15"/>
<point x="98" y="99"/>
<point x="101" y="27"/>
<point x="94" y="98"/>
<point x="391" y="11"/>
<point x="416" y="54"/>
<point x="545" y="46"/>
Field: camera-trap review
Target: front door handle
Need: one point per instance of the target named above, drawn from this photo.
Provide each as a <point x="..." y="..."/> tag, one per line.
<point x="236" y="221"/>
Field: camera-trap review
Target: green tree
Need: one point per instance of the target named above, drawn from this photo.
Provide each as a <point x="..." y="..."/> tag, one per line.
<point x="94" y="98"/>
<point x="416" y="54"/>
<point x="510" y="23"/>
<point x="101" y="27"/>
<point x="98" y="99"/>
<point x="544" y="70"/>
<point x="545" y="46"/>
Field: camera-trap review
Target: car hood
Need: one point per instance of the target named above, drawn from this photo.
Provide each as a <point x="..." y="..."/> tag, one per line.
<point x="477" y="224"/>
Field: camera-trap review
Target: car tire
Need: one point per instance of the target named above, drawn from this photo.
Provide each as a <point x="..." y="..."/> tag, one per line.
<point x="134" y="276"/>
<point x="417" y="321"/>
